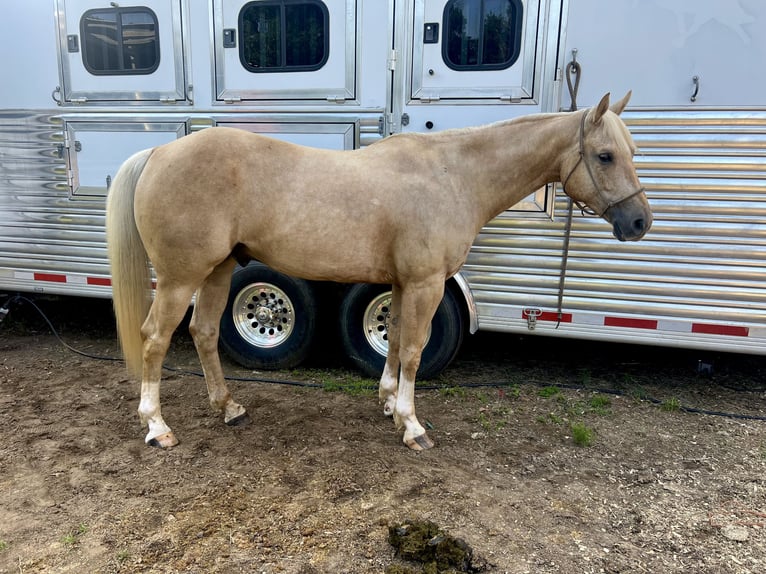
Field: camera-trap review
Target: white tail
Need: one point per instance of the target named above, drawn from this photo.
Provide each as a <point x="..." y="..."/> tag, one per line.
<point x="131" y="281"/>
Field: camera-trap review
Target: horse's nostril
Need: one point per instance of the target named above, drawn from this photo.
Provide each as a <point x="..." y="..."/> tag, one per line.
<point x="639" y="225"/>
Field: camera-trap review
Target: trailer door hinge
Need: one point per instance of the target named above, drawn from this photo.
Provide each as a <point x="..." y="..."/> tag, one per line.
<point x="336" y="99"/>
<point x="392" y="58"/>
<point x="168" y="100"/>
<point x="79" y="100"/>
<point x="429" y="99"/>
<point x="232" y="100"/>
<point x="531" y="314"/>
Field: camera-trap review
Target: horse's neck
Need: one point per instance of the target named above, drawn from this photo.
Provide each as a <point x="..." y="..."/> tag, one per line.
<point x="505" y="162"/>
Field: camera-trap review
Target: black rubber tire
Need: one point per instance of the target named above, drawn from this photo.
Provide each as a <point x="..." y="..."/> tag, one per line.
<point x="447" y="328"/>
<point x="270" y="319"/>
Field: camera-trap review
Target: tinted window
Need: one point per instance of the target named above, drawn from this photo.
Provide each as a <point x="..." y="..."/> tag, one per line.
<point x="120" y="41"/>
<point x="284" y="36"/>
<point x="481" y="34"/>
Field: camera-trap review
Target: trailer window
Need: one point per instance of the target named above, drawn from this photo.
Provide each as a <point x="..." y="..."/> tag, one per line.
<point x="118" y="41"/>
<point x="481" y="34"/>
<point x="284" y="35"/>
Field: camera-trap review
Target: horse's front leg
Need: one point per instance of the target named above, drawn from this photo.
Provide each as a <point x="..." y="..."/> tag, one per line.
<point x="167" y="310"/>
<point x="418" y="305"/>
<point x="389" y="380"/>
<point x="204" y="327"/>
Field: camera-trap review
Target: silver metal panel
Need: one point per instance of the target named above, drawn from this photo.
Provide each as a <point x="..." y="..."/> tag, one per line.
<point x="43" y="233"/>
<point x="657" y="48"/>
<point x="703" y="261"/>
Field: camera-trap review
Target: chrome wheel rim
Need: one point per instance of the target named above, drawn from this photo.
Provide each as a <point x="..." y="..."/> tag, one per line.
<point x="263" y="315"/>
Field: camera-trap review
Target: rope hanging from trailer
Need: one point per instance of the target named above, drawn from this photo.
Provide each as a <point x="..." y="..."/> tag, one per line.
<point x="572" y="68"/>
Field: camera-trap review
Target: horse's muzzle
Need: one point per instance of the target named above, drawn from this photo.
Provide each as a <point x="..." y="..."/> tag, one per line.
<point x="630" y="228"/>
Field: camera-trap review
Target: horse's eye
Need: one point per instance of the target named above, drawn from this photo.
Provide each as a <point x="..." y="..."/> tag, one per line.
<point x="605" y="157"/>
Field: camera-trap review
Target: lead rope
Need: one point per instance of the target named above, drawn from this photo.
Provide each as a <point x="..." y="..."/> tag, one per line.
<point x="572" y="68"/>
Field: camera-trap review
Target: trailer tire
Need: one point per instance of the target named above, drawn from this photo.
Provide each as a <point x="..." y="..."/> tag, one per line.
<point x="363" y="316"/>
<point x="270" y="318"/>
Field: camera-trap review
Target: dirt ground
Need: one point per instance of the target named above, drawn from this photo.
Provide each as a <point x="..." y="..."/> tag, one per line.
<point x="312" y="484"/>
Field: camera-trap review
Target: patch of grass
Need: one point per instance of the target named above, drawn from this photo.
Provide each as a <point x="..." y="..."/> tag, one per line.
<point x="453" y="392"/>
<point x="122" y="556"/>
<point x="548" y="392"/>
<point x="671" y="405"/>
<point x="554" y="418"/>
<point x="343" y="382"/>
<point x="582" y="434"/>
<point x="585" y="377"/>
<point x="600" y="404"/>
<point x="73" y="537"/>
<point x="3" y="546"/>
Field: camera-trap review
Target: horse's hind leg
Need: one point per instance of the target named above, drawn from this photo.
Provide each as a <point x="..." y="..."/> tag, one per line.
<point x="209" y="305"/>
<point x="389" y="380"/>
<point x="418" y="305"/>
<point x="167" y="310"/>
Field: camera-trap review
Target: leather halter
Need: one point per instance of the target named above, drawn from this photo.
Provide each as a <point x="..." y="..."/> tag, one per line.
<point x="584" y="207"/>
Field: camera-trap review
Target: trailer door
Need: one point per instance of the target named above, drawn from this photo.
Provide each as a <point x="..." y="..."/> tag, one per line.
<point x="126" y="51"/>
<point x="285" y="50"/>
<point x="468" y="62"/>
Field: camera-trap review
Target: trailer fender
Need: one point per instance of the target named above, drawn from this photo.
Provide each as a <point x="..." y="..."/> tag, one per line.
<point x="470" y="304"/>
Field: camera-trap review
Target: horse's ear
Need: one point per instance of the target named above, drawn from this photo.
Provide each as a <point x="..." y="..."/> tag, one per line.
<point x="618" y="107"/>
<point x="598" y="112"/>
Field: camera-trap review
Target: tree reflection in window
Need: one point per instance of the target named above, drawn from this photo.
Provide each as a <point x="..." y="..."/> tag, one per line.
<point x="482" y="34"/>
<point x="120" y="41"/>
<point x="284" y="35"/>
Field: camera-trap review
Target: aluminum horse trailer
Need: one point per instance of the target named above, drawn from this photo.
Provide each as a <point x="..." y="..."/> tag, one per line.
<point x="92" y="81"/>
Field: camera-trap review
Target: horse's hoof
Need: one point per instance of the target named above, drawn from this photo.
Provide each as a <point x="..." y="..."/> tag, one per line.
<point x="420" y="442"/>
<point x="240" y="421"/>
<point x="167" y="440"/>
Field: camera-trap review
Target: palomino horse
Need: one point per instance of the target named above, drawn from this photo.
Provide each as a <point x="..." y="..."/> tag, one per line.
<point x="403" y="211"/>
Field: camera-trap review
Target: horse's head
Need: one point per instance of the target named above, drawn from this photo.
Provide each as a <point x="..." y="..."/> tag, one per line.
<point x="599" y="174"/>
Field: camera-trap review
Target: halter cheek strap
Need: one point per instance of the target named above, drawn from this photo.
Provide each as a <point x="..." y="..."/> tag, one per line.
<point x="582" y="206"/>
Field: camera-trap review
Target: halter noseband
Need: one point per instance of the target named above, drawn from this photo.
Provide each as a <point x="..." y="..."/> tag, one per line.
<point x="583" y="207"/>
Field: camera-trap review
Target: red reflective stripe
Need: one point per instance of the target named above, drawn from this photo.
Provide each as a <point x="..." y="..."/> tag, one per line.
<point x="54" y="277"/>
<point x="106" y="282"/>
<point x="732" y="330"/>
<point x="630" y="322"/>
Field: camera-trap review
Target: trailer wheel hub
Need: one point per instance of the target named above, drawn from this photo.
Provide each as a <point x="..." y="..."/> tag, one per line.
<point x="263" y="315"/>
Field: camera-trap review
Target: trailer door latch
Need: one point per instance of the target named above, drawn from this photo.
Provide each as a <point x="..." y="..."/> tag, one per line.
<point x="531" y="314"/>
